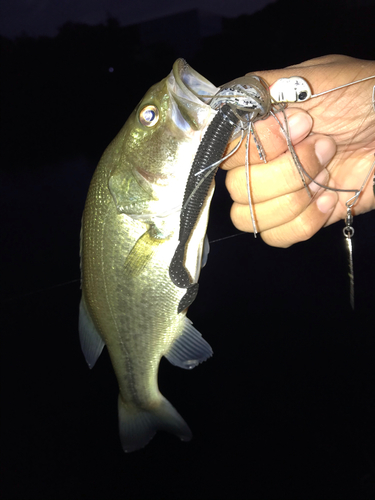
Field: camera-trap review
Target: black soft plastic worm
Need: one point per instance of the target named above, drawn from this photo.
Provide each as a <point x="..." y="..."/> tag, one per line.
<point x="210" y="151"/>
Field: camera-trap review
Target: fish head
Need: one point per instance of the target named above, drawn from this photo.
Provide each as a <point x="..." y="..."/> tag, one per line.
<point x="156" y="147"/>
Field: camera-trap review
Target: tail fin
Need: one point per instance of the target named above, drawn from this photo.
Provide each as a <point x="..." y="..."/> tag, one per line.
<point x="138" y="426"/>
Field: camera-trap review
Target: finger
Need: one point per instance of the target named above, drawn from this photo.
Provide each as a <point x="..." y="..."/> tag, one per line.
<point x="271" y="137"/>
<point x="280" y="176"/>
<point x="277" y="211"/>
<point x="303" y="227"/>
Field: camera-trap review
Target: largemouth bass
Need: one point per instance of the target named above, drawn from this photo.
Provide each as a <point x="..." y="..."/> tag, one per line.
<point x="130" y="233"/>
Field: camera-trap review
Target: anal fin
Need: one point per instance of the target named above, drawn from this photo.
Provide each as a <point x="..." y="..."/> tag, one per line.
<point x="189" y="349"/>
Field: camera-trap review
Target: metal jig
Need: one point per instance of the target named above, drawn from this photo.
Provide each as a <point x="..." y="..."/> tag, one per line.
<point x="348" y="231"/>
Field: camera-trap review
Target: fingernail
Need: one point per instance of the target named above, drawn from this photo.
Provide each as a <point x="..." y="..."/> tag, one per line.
<point x="321" y="178"/>
<point x="327" y="201"/>
<point x="300" y="125"/>
<point x="325" y="149"/>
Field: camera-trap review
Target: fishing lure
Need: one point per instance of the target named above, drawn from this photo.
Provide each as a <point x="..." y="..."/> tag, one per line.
<point x="296" y="89"/>
<point x="240" y="103"/>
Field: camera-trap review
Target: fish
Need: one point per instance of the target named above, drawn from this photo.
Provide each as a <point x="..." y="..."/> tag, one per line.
<point x="129" y="235"/>
<point x="143" y="238"/>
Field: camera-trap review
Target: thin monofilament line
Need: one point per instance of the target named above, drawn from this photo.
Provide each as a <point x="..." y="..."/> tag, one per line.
<point x="226" y="237"/>
<point x="41" y="290"/>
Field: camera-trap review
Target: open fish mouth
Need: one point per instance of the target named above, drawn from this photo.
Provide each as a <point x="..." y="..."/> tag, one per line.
<point x="190" y="113"/>
<point x="192" y="94"/>
<point x="191" y="81"/>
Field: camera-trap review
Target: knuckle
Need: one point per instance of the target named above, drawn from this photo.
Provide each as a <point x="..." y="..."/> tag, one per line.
<point x="234" y="183"/>
<point x="238" y="215"/>
<point x="276" y="238"/>
<point x="229" y="181"/>
<point x="304" y="227"/>
<point x="290" y="206"/>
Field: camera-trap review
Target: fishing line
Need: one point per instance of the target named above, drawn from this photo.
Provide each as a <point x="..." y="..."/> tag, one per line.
<point x="46" y="289"/>
<point x="226" y="237"/>
<point x="77" y="280"/>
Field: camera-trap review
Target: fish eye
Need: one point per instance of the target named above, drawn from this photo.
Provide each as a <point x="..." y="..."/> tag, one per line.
<point x="302" y="96"/>
<point x="149" y="116"/>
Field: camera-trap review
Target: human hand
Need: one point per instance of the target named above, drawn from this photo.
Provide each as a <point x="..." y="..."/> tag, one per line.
<point x="344" y="118"/>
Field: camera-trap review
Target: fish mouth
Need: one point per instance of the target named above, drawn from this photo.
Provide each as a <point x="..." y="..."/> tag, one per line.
<point x="191" y="82"/>
<point x="190" y="112"/>
<point x="192" y="94"/>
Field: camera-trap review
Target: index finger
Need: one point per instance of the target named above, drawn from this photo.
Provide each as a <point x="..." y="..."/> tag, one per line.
<point x="271" y="137"/>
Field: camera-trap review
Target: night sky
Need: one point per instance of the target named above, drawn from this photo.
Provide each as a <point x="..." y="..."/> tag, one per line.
<point x="44" y="17"/>
<point x="285" y="409"/>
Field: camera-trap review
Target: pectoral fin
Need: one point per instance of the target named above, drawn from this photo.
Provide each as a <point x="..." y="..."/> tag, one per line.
<point x="189" y="349"/>
<point x="141" y="254"/>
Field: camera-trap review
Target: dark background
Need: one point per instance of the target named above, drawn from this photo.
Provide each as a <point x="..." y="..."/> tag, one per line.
<point x="285" y="408"/>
